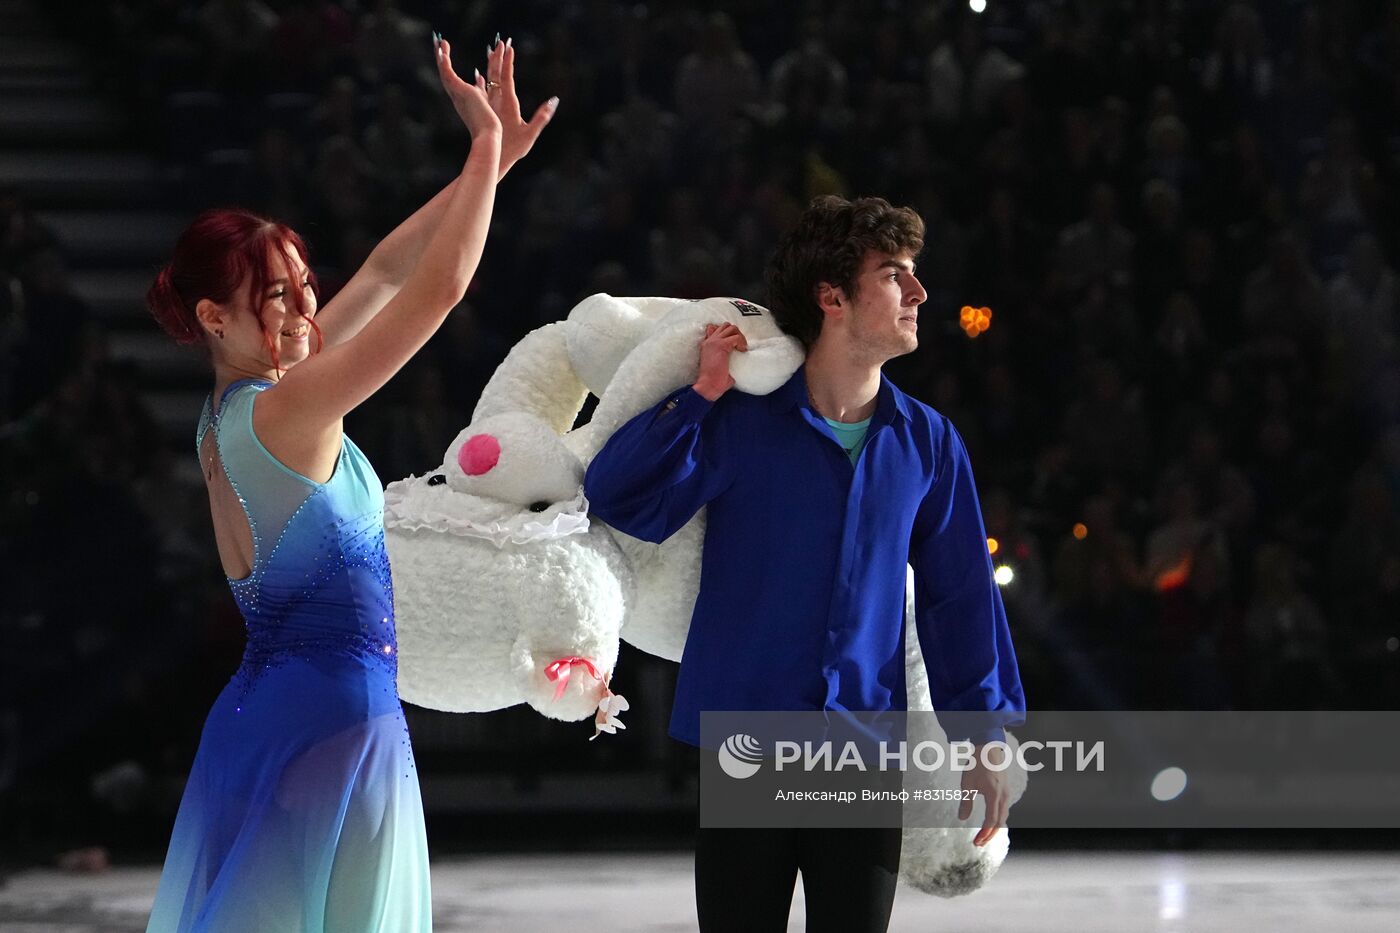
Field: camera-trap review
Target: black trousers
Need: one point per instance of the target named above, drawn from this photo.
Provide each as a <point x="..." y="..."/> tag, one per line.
<point x="744" y="878"/>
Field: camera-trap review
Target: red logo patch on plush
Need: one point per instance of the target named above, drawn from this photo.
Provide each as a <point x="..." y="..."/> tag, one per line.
<point x="479" y="454"/>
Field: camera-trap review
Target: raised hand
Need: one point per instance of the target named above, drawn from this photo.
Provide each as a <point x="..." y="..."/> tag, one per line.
<point x="715" y="347"/>
<point x="469" y="100"/>
<point x="518" y="136"/>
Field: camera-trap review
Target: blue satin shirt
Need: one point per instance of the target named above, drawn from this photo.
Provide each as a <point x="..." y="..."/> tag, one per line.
<point x="801" y="603"/>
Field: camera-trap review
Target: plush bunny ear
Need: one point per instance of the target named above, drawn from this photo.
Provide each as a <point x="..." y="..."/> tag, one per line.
<point x="942" y="860"/>
<point x="538" y="378"/>
<point x="670" y="357"/>
<point x="604" y="329"/>
<point x="550" y="372"/>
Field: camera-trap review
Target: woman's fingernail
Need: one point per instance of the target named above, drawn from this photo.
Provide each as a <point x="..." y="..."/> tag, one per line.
<point x="507" y="41"/>
<point x="553" y="103"/>
<point x="497" y="42"/>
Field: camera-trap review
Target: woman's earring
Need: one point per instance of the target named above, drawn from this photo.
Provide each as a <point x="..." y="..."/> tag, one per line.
<point x="219" y="334"/>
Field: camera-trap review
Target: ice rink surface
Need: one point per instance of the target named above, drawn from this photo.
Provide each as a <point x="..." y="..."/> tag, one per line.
<point x="1121" y="892"/>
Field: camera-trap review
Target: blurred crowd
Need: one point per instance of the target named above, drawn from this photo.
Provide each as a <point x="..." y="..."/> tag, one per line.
<point x="1184" y="415"/>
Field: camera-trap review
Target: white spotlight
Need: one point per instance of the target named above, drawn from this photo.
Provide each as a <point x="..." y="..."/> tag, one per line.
<point x="1003" y="575"/>
<point x="1168" y="784"/>
<point x="977" y="6"/>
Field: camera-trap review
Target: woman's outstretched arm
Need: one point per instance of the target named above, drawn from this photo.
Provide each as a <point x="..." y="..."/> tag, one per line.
<point x="389" y="265"/>
<point x="302" y="413"/>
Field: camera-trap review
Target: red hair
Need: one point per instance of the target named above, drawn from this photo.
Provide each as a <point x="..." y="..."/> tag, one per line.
<point x="213" y="255"/>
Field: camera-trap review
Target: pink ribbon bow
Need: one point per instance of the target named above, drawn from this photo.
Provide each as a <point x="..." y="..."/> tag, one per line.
<point x="558" y="672"/>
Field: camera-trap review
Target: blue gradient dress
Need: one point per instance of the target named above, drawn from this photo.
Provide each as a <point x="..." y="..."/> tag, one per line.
<point x="302" y="811"/>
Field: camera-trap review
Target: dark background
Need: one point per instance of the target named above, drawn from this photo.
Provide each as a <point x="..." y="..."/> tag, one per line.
<point x="1178" y="213"/>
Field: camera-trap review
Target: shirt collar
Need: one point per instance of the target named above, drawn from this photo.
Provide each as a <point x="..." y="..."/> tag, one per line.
<point x="889" y="401"/>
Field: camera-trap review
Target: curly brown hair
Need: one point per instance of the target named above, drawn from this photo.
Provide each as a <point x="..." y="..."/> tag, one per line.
<point x="827" y="244"/>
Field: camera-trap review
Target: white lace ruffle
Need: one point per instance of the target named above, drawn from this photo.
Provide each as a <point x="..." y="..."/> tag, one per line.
<point x="412" y="505"/>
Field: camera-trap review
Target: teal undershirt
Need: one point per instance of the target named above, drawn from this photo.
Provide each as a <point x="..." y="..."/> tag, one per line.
<point x="851" y="436"/>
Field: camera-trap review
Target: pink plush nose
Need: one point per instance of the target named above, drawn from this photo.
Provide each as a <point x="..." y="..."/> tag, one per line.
<point x="479" y="454"/>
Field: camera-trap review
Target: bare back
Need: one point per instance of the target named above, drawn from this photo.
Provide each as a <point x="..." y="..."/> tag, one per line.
<point x="307" y="454"/>
<point x="231" y="530"/>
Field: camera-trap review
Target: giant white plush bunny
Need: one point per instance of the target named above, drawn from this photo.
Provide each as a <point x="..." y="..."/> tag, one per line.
<point x="505" y="590"/>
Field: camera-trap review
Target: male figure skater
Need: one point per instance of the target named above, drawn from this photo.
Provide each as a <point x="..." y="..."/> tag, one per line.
<point x="819" y="495"/>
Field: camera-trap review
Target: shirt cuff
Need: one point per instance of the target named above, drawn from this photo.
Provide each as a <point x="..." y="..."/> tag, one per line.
<point x="979" y="728"/>
<point x="685" y="405"/>
<point x="983" y="736"/>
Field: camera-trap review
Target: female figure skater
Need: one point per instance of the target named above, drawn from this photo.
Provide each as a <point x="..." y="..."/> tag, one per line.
<point x="302" y="811"/>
